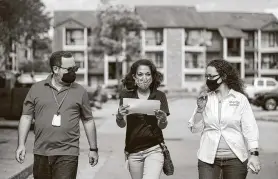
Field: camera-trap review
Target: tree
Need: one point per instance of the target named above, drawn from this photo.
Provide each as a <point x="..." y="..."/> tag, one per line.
<point x="35" y="66"/>
<point x="21" y="20"/>
<point x="117" y="33"/>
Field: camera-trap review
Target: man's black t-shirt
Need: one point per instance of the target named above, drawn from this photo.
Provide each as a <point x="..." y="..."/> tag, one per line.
<point x="142" y="131"/>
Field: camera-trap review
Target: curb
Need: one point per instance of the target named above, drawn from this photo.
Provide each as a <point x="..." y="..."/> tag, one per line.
<point x="8" y="123"/>
<point x="24" y="173"/>
<point x="268" y="119"/>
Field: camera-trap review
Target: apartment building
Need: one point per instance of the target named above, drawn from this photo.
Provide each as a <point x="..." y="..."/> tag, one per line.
<point x="72" y="30"/>
<point x="180" y="41"/>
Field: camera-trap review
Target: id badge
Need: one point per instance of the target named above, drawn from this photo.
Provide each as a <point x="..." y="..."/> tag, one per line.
<point x="56" y="121"/>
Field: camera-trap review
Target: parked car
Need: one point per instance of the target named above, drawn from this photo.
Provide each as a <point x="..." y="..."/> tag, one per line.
<point x="267" y="100"/>
<point x="13" y="91"/>
<point x="259" y="84"/>
<point x="112" y="91"/>
<point x="97" y="96"/>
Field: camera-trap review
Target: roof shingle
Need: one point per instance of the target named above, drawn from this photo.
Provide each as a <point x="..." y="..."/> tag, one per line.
<point x="170" y="16"/>
<point x="244" y="21"/>
<point x="230" y="32"/>
<point x="87" y="18"/>
<point x="178" y="17"/>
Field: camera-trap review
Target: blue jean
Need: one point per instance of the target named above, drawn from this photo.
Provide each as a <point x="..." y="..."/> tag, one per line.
<point x="55" y="167"/>
<point x="146" y="164"/>
<point x="229" y="169"/>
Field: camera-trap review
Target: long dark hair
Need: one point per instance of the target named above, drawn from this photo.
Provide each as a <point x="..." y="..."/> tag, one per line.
<point x="229" y="74"/>
<point x="129" y="82"/>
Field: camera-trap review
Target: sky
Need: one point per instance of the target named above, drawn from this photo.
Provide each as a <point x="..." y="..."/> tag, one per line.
<point x="204" y="5"/>
<point x="270" y="6"/>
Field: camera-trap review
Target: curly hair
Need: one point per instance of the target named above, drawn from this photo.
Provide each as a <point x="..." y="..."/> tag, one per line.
<point x="129" y="82"/>
<point x="229" y="74"/>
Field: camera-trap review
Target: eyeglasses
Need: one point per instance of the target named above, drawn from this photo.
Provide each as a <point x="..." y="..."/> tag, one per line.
<point x="71" y="69"/>
<point x="210" y="77"/>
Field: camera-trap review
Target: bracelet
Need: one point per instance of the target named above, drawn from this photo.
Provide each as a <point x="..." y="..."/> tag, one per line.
<point x="94" y="150"/>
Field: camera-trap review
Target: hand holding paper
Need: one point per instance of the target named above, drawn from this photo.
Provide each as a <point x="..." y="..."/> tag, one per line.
<point x="160" y="115"/>
<point x="141" y="106"/>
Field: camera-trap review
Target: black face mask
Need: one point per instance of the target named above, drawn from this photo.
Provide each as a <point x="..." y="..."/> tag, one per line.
<point x="212" y="84"/>
<point x="69" y="77"/>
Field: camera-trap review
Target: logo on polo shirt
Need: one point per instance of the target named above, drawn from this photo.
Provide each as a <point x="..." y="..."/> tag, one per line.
<point x="233" y="103"/>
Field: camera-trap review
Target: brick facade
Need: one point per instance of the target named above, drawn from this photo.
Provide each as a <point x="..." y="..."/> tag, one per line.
<point x="174" y="58"/>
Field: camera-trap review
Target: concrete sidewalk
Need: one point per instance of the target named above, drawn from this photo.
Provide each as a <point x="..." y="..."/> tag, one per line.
<point x="9" y="167"/>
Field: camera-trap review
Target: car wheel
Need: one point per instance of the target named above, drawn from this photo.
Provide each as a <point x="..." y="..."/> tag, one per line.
<point x="270" y="104"/>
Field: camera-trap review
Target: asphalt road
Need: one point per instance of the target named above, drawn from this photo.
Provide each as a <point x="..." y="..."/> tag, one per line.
<point x="182" y="144"/>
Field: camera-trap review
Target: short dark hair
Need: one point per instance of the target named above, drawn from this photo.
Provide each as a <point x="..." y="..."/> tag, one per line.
<point x="129" y="82"/>
<point x="56" y="58"/>
<point x="229" y="74"/>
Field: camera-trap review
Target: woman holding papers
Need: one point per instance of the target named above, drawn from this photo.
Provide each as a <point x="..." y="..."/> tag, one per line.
<point x="225" y="118"/>
<point x="143" y="132"/>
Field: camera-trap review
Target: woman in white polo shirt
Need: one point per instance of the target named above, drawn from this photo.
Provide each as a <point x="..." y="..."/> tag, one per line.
<point x="225" y="118"/>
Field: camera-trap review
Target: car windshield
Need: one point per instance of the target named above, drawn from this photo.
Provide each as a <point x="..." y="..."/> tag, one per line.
<point x="249" y="81"/>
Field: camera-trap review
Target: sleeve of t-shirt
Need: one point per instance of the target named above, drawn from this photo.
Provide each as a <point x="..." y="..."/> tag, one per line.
<point x="29" y="103"/>
<point x="164" y="104"/>
<point x="86" y="110"/>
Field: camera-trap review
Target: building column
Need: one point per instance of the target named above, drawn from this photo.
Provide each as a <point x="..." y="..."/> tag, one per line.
<point x="259" y="64"/>
<point x="165" y="59"/>
<point x="225" y="48"/>
<point x="242" y="57"/>
<point x="143" y="40"/>
<point x="256" y="54"/>
<point x="86" y="59"/>
<point x="105" y="70"/>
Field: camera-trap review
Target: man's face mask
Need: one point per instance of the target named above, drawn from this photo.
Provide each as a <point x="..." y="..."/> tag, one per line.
<point x="212" y="84"/>
<point x="70" y="76"/>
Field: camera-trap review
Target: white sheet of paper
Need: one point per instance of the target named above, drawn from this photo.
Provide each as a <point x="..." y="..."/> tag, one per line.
<point x="142" y="106"/>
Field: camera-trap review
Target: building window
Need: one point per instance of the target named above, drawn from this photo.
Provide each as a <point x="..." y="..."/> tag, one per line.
<point x="233" y="47"/>
<point x="194" y="60"/>
<point x="269" y="39"/>
<point x="216" y="39"/>
<point x="75" y="37"/>
<point x="249" y="42"/>
<point x="154" y="37"/>
<point x="112" y="70"/>
<point x="270" y="83"/>
<point x="157" y="58"/>
<point x="260" y="83"/>
<point x="273" y="39"/>
<point x="269" y="61"/>
<point x="79" y="58"/>
<point x="249" y="61"/>
<point x="212" y="56"/>
<point x="193" y="37"/>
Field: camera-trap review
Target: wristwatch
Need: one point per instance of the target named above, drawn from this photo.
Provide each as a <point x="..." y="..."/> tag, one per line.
<point x="255" y="153"/>
<point x="94" y="150"/>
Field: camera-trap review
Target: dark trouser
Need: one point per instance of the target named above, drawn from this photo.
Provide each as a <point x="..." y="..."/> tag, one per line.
<point x="228" y="168"/>
<point x="55" y="167"/>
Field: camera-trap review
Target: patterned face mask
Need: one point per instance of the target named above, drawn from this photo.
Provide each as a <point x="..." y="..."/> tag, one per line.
<point x="143" y="83"/>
